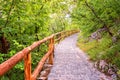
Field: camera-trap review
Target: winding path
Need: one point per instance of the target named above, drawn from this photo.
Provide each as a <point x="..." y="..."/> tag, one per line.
<point x="70" y="63"/>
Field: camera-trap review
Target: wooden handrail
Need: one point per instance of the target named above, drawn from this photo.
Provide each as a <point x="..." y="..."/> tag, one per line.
<point x="42" y="61"/>
<point x="26" y="55"/>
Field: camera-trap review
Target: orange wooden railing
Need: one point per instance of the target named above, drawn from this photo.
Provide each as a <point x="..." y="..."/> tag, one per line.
<point x="25" y="54"/>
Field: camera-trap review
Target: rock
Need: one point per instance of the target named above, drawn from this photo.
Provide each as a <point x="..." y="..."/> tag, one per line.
<point x="108" y="69"/>
<point x="97" y="34"/>
<point x="114" y="76"/>
<point x="114" y="39"/>
<point x="42" y="78"/>
<point x="47" y="66"/>
<point x="45" y="72"/>
<point x="101" y="65"/>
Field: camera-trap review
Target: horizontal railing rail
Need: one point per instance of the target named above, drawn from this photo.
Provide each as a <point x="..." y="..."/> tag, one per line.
<point x="25" y="54"/>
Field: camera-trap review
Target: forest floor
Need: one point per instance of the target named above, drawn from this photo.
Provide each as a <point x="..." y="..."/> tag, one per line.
<point x="70" y="63"/>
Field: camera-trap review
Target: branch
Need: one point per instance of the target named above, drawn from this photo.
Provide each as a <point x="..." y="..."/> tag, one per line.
<point x="93" y="11"/>
<point x="9" y="13"/>
<point x="104" y="24"/>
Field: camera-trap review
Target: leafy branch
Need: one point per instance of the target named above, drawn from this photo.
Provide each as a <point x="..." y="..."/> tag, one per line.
<point x="95" y="14"/>
<point x="8" y="16"/>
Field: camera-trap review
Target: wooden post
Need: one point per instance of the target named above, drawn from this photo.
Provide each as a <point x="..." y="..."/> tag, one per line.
<point x="27" y="66"/>
<point x="51" y="48"/>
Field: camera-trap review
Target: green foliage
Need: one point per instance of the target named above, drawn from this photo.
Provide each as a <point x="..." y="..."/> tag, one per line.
<point x="113" y="54"/>
<point x="96" y="14"/>
<point x="24" y="21"/>
<point x="99" y="48"/>
<point x="93" y="15"/>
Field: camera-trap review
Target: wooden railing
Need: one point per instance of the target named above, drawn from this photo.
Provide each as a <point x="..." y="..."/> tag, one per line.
<point x="25" y="54"/>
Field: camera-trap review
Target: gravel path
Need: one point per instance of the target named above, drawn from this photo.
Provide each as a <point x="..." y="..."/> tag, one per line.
<point x="70" y="63"/>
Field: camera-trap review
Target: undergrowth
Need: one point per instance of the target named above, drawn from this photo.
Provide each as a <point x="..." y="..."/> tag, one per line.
<point x="102" y="49"/>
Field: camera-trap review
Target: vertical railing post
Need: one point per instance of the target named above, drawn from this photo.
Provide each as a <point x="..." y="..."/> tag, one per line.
<point x="27" y="66"/>
<point x="51" y="48"/>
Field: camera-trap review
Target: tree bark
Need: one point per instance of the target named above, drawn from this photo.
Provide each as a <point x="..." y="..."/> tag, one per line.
<point x="5" y="45"/>
<point x="12" y="5"/>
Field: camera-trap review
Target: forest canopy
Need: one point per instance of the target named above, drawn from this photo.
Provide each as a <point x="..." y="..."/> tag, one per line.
<point x="99" y="22"/>
<point x="24" y="21"/>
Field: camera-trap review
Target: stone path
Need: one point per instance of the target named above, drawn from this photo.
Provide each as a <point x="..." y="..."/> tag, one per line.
<point x="70" y="63"/>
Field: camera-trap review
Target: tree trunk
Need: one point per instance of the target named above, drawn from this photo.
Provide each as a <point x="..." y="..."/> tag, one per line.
<point x="5" y="45"/>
